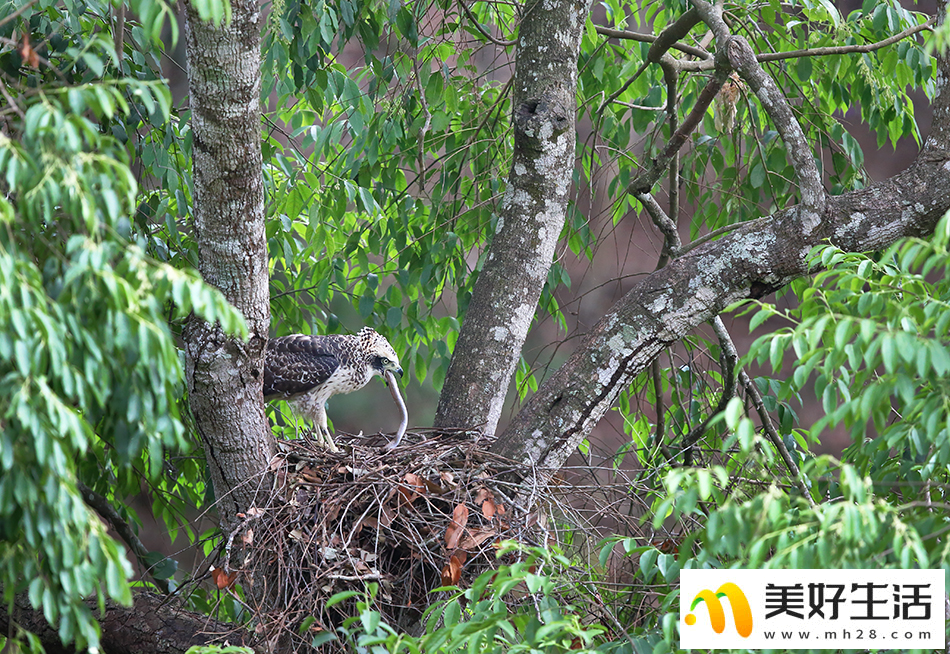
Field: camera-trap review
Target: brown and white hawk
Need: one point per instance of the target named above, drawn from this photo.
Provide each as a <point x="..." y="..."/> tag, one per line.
<point x="307" y="370"/>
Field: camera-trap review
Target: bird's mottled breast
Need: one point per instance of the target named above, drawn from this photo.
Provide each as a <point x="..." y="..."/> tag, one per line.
<point x="350" y="376"/>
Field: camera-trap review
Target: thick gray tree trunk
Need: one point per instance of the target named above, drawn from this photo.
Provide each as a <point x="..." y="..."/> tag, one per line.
<point x="224" y="374"/>
<point x="530" y="220"/>
<point x="750" y="262"/>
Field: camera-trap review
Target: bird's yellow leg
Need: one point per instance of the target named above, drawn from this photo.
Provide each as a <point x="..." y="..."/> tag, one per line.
<point x="329" y="442"/>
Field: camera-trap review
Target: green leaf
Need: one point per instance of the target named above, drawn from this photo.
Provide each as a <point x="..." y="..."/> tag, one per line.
<point x="342" y="597"/>
<point x="366" y="304"/>
<point x="160" y="566"/>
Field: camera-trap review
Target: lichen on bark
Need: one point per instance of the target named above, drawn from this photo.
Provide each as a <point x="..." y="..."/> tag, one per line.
<point x="224" y="375"/>
<point x="530" y="218"/>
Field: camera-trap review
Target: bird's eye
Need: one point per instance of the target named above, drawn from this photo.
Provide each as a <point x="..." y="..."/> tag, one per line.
<point x="384" y="361"/>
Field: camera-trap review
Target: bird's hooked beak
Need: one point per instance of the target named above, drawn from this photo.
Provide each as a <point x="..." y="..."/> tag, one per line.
<point x="391" y="374"/>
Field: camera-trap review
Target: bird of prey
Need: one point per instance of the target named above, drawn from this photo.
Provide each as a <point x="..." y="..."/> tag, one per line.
<point x="307" y="370"/>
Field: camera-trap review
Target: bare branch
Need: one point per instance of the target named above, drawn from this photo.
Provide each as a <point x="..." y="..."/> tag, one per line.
<point x="672" y="34"/>
<point x="482" y="30"/>
<point x="26" y="5"/>
<point x="671" y="245"/>
<point x="667" y="39"/>
<point x="728" y="358"/>
<point x="645" y="181"/>
<point x="769" y="428"/>
<point x="848" y="49"/>
<point x="737" y="52"/>
<point x="707" y="62"/>
<point x="651" y="38"/>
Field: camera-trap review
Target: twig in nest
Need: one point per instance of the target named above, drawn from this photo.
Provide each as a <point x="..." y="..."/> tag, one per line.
<point x="394" y="389"/>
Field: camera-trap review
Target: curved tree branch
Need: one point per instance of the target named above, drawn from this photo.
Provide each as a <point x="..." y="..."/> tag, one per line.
<point x="848" y="49"/>
<point x="651" y="38"/>
<point x="644" y="182"/>
<point x="737" y="51"/>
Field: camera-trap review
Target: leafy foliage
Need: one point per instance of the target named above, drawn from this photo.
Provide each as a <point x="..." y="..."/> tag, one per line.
<point x="516" y="608"/>
<point x="386" y="176"/>
<point x="869" y="338"/>
<point x="90" y="376"/>
<point x="383" y="169"/>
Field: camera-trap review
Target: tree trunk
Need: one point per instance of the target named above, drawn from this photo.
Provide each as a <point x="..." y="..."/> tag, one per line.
<point x="755" y="259"/>
<point x="530" y="220"/>
<point x="225" y="374"/>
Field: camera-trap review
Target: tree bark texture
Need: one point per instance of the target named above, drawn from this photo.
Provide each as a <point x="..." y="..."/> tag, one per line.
<point x="225" y="375"/>
<point x="755" y="259"/>
<point x="152" y="625"/>
<point x="530" y="219"/>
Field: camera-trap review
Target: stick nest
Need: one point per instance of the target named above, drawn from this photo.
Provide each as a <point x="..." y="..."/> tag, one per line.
<point x="425" y="515"/>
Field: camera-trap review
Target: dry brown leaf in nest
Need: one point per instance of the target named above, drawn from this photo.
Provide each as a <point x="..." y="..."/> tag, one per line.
<point x="486" y="499"/>
<point x="452" y="571"/>
<point x="448" y="478"/>
<point x="248" y="537"/>
<point x="457" y="527"/>
<point x="460" y="515"/>
<point x="310" y="476"/>
<point x="476" y="538"/>
<point x="371" y="521"/>
<point x="296" y="535"/>
<point x="222" y="579"/>
<point x="452" y="536"/>
<point x="415" y="489"/>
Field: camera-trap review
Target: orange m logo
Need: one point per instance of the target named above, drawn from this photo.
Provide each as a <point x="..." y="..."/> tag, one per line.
<point x="741" y="612"/>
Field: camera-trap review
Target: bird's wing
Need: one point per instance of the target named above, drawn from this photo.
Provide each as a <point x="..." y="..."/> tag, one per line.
<point x="297" y="364"/>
